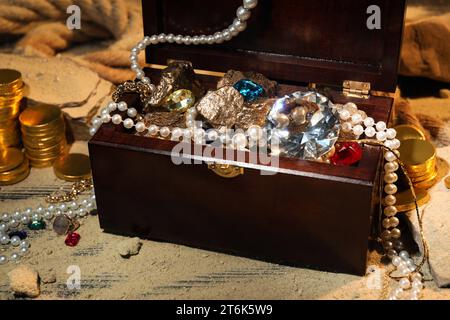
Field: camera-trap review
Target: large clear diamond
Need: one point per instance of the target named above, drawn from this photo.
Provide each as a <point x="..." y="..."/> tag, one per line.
<point x="315" y="138"/>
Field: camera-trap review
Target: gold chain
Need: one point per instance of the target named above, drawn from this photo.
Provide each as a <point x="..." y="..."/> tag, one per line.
<point x="77" y="188"/>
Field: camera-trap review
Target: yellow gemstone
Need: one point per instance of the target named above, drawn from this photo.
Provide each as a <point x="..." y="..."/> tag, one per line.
<point x="180" y="100"/>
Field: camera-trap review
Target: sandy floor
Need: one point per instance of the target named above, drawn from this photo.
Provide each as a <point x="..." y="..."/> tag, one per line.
<point x="166" y="271"/>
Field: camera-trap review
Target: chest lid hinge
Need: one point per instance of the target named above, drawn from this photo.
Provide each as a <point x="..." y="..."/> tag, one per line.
<point x="356" y="89"/>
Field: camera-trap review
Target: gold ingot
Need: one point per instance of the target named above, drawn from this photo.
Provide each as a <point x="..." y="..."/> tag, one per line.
<point x="73" y="167"/>
<point x="407" y="132"/>
<point x="417" y="155"/>
<point x="39" y="117"/>
<point x="10" y="158"/>
<point x="405" y="199"/>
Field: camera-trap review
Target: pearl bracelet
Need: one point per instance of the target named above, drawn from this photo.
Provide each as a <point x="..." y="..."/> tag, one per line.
<point x="12" y="222"/>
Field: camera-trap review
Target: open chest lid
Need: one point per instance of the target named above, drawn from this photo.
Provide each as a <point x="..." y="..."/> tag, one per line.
<point x="319" y="41"/>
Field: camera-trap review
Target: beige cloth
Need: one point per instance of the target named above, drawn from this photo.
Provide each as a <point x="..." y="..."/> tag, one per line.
<point x="426" y="48"/>
<point x="40" y="25"/>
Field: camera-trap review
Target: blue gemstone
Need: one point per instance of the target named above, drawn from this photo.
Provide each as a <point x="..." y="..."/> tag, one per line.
<point x="249" y="90"/>
<point x="21" y="234"/>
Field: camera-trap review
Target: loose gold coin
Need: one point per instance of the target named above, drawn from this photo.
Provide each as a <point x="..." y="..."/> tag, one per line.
<point x="417" y="155"/>
<point x="405" y="199"/>
<point x="73" y="167"/>
<point x="41" y="116"/>
<point x="10" y="158"/>
<point x="447" y="182"/>
<point x="407" y="132"/>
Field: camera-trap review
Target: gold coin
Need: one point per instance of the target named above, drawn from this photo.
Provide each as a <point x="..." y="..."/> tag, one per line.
<point x="426" y="168"/>
<point x="427" y="184"/>
<point x="15" y="180"/>
<point x="407" y="132"/>
<point x="73" y="167"/>
<point x="47" y="148"/>
<point x="11" y="174"/>
<point x="49" y="129"/>
<point x="42" y="164"/>
<point x="40" y="116"/>
<point x="417" y="154"/>
<point x="426" y="177"/>
<point x="10" y="80"/>
<point x="447" y="182"/>
<point x="405" y="199"/>
<point x="43" y="145"/>
<point x="9" y="141"/>
<point x="10" y="158"/>
<point x="8" y="124"/>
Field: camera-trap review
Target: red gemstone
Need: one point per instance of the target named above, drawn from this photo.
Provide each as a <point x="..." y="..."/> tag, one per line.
<point x="72" y="239"/>
<point x="347" y="153"/>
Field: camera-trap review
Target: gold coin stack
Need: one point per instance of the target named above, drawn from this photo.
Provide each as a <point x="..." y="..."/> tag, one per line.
<point x="43" y="134"/>
<point x="419" y="157"/>
<point x="14" y="166"/>
<point x="11" y="94"/>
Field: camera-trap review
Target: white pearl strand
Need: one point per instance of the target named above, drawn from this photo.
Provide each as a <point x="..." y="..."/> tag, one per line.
<point x="11" y="222"/>
<point x="357" y="122"/>
<point x="240" y="140"/>
<point x="239" y="24"/>
<point x="243" y="13"/>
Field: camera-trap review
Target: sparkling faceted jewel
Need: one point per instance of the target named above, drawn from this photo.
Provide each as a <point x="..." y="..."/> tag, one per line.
<point x="310" y="141"/>
<point x="72" y="239"/>
<point x="180" y="100"/>
<point x="249" y="90"/>
<point x="347" y="153"/>
<point x="36" y="225"/>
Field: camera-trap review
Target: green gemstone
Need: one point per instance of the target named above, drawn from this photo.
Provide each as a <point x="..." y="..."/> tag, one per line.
<point x="36" y="225"/>
<point x="180" y="100"/>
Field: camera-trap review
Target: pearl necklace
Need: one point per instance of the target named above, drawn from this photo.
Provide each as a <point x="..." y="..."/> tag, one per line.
<point x="353" y="121"/>
<point x="12" y="222"/>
